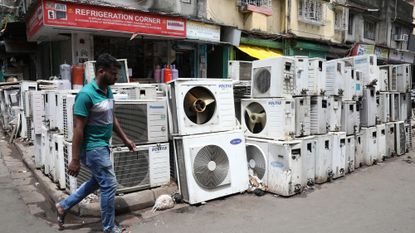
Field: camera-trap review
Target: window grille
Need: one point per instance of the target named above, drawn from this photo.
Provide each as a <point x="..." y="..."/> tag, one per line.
<point x="310" y="11"/>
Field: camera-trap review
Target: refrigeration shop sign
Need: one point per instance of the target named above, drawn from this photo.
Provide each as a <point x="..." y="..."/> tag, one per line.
<point x="71" y="15"/>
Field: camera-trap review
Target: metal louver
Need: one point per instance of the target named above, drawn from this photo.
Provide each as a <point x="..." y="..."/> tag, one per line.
<point x="132" y="170"/>
<point x="84" y="173"/>
<point x="133" y="121"/>
<point x="256" y="161"/>
<point x="255" y="117"/>
<point x="199" y="105"/>
<point x="210" y="166"/>
<point x="263" y="79"/>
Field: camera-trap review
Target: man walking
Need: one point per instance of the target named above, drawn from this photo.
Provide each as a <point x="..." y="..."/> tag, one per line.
<point x="94" y="121"/>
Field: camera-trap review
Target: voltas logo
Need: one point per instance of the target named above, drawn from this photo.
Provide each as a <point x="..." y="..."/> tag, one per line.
<point x="275" y="102"/>
<point x="159" y="148"/>
<point x="225" y="85"/>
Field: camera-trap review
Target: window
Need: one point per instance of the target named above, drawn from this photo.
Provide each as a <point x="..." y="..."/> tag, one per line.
<point x="350" y="25"/>
<point x="258" y="3"/>
<point x="369" y="30"/>
<point x="310" y="11"/>
<point x="340" y="16"/>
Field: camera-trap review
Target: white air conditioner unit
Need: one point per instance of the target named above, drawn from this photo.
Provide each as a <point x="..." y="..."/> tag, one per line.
<point x="37" y="142"/>
<point x="367" y="65"/>
<point x="408" y="137"/>
<point x="402" y="78"/>
<point x="68" y="103"/>
<point x="27" y="108"/>
<point x="302" y="116"/>
<point x="408" y="76"/>
<point x="144" y="121"/>
<point x="73" y="183"/>
<point x="240" y="70"/>
<point x="383" y="82"/>
<point x="360" y="147"/>
<point x="47" y="144"/>
<point x="268" y="118"/>
<point x="135" y="91"/>
<point x="383" y="107"/>
<point x="350" y="153"/>
<point x="339" y="154"/>
<point x="394" y="75"/>
<point x="301" y="76"/>
<point x="409" y="106"/>
<point x="350" y="122"/>
<point x="404" y="101"/>
<point x="61" y="110"/>
<point x="44" y="148"/>
<point x="54" y="85"/>
<point x="400" y="37"/>
<point x="147" y="167"/>
<point x="211" y="165"/>
<point x="308" y="157"/>
<point x="316" y="76"/>
<point x="370" y="147"/>
<point x="202" y="106"/>
<point x="381" y="142"/>
<point x="368" y="109"/>
<point x="283" y="164"/>
<point x="390" y="139"/>
<point x="400" y="140"/>
<point x="58" y="168"/>
<point x="37" y="110"/>
<point x="50" y="108"/>
<point x="319" y="114"/>
<point x="324" y="157"/>
<point x="257" y="151"/>
<point x="335" y="82"/>
<point x="334" y="113"/>
<point x="394" y="106"/>
<point x="349" y="84"/>
<point x="273" y="77"/>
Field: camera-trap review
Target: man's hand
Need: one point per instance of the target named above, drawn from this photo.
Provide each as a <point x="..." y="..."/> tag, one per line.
<point x="130" y="144"/>
<point x="74" y="167"/>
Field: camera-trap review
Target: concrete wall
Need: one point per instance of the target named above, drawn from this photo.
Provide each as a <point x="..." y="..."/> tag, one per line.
<point x="226" y="12"/>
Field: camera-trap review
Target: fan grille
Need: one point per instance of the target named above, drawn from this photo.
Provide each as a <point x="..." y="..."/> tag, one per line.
<point x="262" y="80"/>
<point x="255" y="117"/>
<point x="131" y="169"/>
<point x="199" y="105"/>
<point x="210" y="167"/>
<point x="256" y="161"/>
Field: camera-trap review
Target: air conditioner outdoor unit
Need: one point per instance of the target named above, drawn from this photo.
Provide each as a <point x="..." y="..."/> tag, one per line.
<point x="381" y="142"/>
<point x="394" y="106"/>
<point x="135" y="91"/>
<point x="240" y="70"/>
<point x="44" y="148"/>
<point x="283" y="164"/>
<point x="402" y="78"/>
<point x="61" y="111"/>
<point x="400" y="140"/>
<point x="302" y="116"/>
<point x="349" y="117"/>
<point x="130" y="89"/>
<point x="409" y="106"/>
<point x="368" y="109"/>
<point x="360" y="149"/>
<point x="308" y="160"/>
<point x="144" y="121"/>
<point x="408" y="137"/>
<point x="48" y="150"/>
<point x="370" y="145"/>
<point x="257" y="151"/>
<point x="395" y="73"/>
<point x="349" y="84"/>
<point x="58" y="168"/>
<point x="202" y="106"/>
<point x="400" y="37"/>
<point x="68" y="102"/>
<point x="390" y="139"/>
<point x="367" y="65"/>
<point x="383" y="107"/>
<point x="37" y="110"/>
<point x="350" y="153"/>
<point x="404" y="101"/>
<point x="211" y="165"/>
<point x="339" y="154"/>
<point x="27" y="108"/>
<point x="335" y="111"/>
<point x="319" y="114"/>
<point x="316" y="76"/>
<point x="383" y="83"/>
<point x="408" y="76"/>
<point x="273" y="77"/>
<point x="50" y="108"/>
<point x="335" y="82"/>
<point x="73" y="183"/>
<point x="147" y="167"/>
<point x="301" y="76"/>
<point x="37" y="142"/>
<point x="324" y="158"/>
<point x="268" y="118"/>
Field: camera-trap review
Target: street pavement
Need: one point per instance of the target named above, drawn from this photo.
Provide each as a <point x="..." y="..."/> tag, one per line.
<point x="378" y="199"/>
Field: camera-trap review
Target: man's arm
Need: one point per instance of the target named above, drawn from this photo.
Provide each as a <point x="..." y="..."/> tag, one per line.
<point x="118" y="130"/>
<point x="78" y="137"/>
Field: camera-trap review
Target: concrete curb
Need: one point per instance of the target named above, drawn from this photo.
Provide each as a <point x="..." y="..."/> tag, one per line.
<point x="123" y="204"/>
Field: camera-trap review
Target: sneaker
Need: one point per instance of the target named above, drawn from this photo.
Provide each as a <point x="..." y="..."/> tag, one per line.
<point x="118" y="229"/>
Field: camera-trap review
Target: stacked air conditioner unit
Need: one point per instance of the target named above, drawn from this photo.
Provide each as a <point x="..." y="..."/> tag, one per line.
<point x="302" y="116"/>
<point x="240" y="70"/>
<point x="383" y="82"/>
<point x="316" y="76"/>
<point x="408" y="137"/>
<point x="301" y="76"/>
<point x="334" y="113"/>
<point x="383" y="107"/>
<point x="308" y="157"/>
<point x="404" y="101"/>
<point x="339" y="154"/>
<point x="73" y="183"/>
<point x="350" y="153"/>
<point x="350" y="122"/>
<point x="58" y="173"/>
<point x="381" y="142"/>
<point x="324" y="158"/>
<point x="368" y="108"/>
<point x="360" y="149"/>
<point x="370" y="145"/>
<point x="400" y="140"/>
<point x="319" y="115"/>
<point x="268" y="118"/>
<point x="390" y="139"/>
<point x="280" y="162"/>
<point x="335" y="70"/>
<point x="394" y="106"/>
<point x="367" y="64"/>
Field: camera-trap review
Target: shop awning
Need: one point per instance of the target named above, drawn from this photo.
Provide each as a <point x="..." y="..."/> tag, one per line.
<point x="260" y="52"/>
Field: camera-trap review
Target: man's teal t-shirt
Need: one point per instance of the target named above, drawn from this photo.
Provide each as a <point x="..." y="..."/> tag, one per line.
<point x="92" y="103"/>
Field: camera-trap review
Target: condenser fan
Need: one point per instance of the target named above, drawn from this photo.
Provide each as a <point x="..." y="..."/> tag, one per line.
<point x="131" y="169"/>
<point x="199" y="105"/>
<point x="210" y="166"/>
<point x="263" y="79"/>
<point x="255" y="117"/>
<point x="256" y="161"/>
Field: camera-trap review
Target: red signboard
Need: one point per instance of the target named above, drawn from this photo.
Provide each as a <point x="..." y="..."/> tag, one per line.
<point x="70" y="15"/>
<point x="35" y="22"/>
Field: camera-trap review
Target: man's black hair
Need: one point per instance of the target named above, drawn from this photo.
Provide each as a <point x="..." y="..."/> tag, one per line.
<point x="106" y="61"/>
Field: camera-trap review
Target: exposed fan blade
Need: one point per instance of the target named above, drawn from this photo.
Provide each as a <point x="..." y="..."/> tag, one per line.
<point x="255" y="117"/>
<point x="199" y="105"/>
<point x="256" y="161"/>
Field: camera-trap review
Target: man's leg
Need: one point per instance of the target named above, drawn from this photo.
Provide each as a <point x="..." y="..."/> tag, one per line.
<point x="84" y="190"/>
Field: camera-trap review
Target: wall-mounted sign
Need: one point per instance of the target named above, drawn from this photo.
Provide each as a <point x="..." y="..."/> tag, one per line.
<point x="201" y="31"/>
<point x="401" y="56"/>
<point x="68" y="15"/>
<point x="382" y="53"/>
<point x="362" y="49"/>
